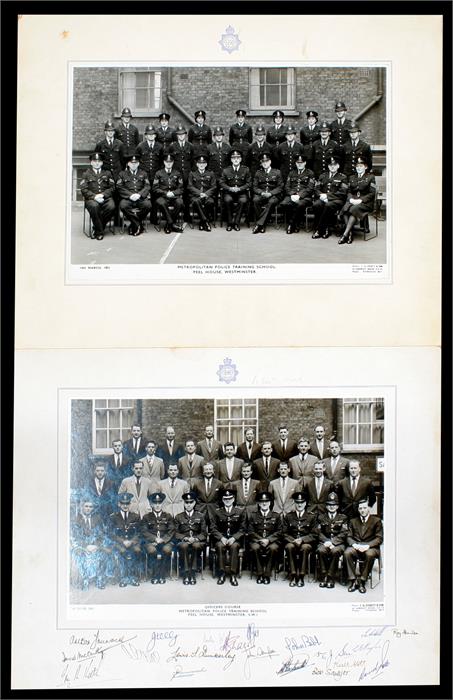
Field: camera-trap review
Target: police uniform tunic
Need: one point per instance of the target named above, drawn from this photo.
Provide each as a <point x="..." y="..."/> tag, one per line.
<point x="263" y="181"/>
<point x="286" y="155"/>
<point x="232" y="178"/>
<point x="333" y="530"/>
<point x="98" y="182"/>
<point x="112" y="154"/>
<point x="351" y="153"/>
<point x="127" y="528"/>
<point x="303" y="184"/>
<point x="254" y="154"/>
<point x="276" y="135"/>
<point x="240" y="137"/>
<point x="340" y="132"/>
<point x="200" y="136"/>
<point x="160" y="526"/>
<point x="129" y="136"/>
<point x="165" y="137"/>
<point x="264" y="527"/>
<point x="193" y="525"/>
<point x="295" y="527"/>
<point x="227" y="524"/>
<point x="134" y="183"/>
<point x="183" y="156"/>
<point x="363" y="188"/>
<point x="321" y="155"/>
<point x="150" y="157"/>
<point x="202" y="183"/>
<point x="218" y="158"/>
<point x="168" y="182"/>
<point x="309" y="136"/>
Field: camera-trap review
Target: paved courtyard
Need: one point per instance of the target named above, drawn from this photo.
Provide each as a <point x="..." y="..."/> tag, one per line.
<point x="221" y="246"/>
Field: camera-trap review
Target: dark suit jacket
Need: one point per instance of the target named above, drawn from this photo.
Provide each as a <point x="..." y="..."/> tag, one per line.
<point x="163" y="453"/>
<point x="207" y="502"/>
<point x="212" y="456"/>
<point x="260" y="474"/>
<point x="284" y="455"/>
<point x="314" y="449"/>
<point x="241" y="500"/>
<point x="349" y="502"/>
<point x="370" y="533"/>
<point x="222" y="470"/>
<point x="317" y="504"/>
<point x="106" y="502"/>
<point x="340" y="472"/>
<point x="117" y="475"/>
<point x="128" y="449"/>
<point x="241" y="452"/>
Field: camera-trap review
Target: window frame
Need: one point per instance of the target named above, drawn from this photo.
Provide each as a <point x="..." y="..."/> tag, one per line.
<point x="246" y="423"/>
<point x="124" y="428"/>
<point x="362" y="447"/>
<point x="268" y="109"/>
<point x="137" y="112"/>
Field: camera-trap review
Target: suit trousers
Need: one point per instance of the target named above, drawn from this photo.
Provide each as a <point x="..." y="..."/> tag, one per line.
<point x="159" y="555"/>
<point x="351" y="555"/>
<point x="298" y="552"/>
<point x="189" y="552"/>
<point x="170" y="214"/>
<point x="325" y="214"/>
<point x="100" y="214"/>
<point x="295" y="210"/>
<point x="328" y="559"/>
<point x="232" y="198"/>
<point x="128" y="208"/>
<point x="263" y="208"/>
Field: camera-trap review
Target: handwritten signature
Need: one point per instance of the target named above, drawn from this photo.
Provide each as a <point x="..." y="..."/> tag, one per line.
<point x="180" y="673"/>
<point x="291" y="665"/>
<point x="379" y="666"/>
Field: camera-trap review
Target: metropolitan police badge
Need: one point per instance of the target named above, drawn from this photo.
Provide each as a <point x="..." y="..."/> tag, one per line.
<point x="227" y="372"/>
<point x="230" y="41"/>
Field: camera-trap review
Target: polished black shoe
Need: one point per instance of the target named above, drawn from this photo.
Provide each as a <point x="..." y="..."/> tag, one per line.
<point x="229" y="227"/>
<point x="134" y="582"/>
<point x="177" y="229"/>
<point x="316" y="234"/>
<point x="100" y="583"/>
<point x="326" y="233"/>
<point x="292" y="581"/>
<point x="186" y="580"/>
<point x="343" y="239"/>
<point x="162" y="580"/>
<point x="330" y="583"/>
<point x="322" y="584"/>
<point x="361" y="587"/>
<point x="99" y="236"/>
<point x="256" y="229"/>
<point x="193" y="580"/>
<point x="352" y="586"/>
<point x="289" y="230"/>
<point x="300" y="581"/>
<point x="349" y="239"/>
<point x="266" y="580"/>
<point x="237" y="227"/>
<point x="259" y="579"/>
<point x="233" y="580"/>
<point x="221" y="580"/>
<point x="207" y="226"/>
<point x="154" y="580"/>
<point x="142" y="228"/>
<point x="123" y="583"/>
<point x="167" y="229"/>
<point x="201" y="227"/>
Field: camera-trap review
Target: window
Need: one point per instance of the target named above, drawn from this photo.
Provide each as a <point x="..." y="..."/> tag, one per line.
<point x="271" y="88"/>
<point x="363" y="424"/>
<point x="233" y="417"/>
<point x="112" y="419"/>
<point x="141" y="91"/>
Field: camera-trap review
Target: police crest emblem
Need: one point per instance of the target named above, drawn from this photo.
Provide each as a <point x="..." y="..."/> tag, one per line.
<point x="230" y="40"/>
<point x="227" y="372"/>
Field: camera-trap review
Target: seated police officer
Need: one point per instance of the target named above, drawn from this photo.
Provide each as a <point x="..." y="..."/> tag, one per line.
<point x="264" y="529"/>
<point x="332" y="532"/>
<point x="267" y="188"/>
<point x="299" y="533"/>
<point x="158" y="529"/>
<point x="359" y="198"/>
<point x="124" y="534"/>
<point x="133" y="187"/>
<point x="190" y="535"/>
<point x="330" y="196"/>
<point x="299" y="190"/>
<point x="168" y="190"/>
<point x="227" y="526"/>
<point x="97" y="187"/>
<point x="235" y="183"/>
<point x="202" y="188"/>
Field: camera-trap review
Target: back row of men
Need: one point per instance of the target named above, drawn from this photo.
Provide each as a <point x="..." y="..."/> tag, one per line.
<point x="207" y="467"/>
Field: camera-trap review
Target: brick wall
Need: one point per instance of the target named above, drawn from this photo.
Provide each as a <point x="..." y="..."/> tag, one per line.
<point x="189" y="417"/>
<point x="301" y="417"/>
<point x="220" y="91"/>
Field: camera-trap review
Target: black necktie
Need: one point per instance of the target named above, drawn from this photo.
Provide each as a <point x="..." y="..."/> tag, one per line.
<point x="138" y="486"/>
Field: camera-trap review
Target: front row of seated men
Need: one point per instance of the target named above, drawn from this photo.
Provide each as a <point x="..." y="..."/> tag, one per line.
<point x="332" y="195"/>
<point x="116" y="547"/>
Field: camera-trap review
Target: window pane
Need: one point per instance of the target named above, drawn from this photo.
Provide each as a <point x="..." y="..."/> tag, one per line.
<point x="115" y="435"/>
<point x="141" y="79"/>
<point x="236" y="435"/>
<point x="349" y="413"/>
<point x="222" y="402"/>
<point x="236" y="402"/>
<point x="378" y="434"/>
<point x="129" y="98"/>
<point x="250" y="412"/>
<point x="101" y="419"/>
<point x="379" y="409"/>
<point x="101" y="439"/>
<point x="113" y="403"/>
<point x="114" y="420"/>
<point x="222" y="412"/>
<point x="222" y="435"/>
<point x="364" y="434"/>
<point x="141" y="99"/>
<point x="364" y="412"/>
<point x="250" y="402"/>
<point x="100" y="403"/>
<point x="128" y="80"/>
<point x="273" y="95"/>
<point x="236" y="411"/>
<point x="273" y="75"/>
<point x="350" y="434"/>
<point x="127" y="417"/>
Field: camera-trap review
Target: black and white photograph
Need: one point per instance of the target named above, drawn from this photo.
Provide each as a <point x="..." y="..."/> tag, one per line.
<point x="227" y="173"/>
<point x="216" y="500"/>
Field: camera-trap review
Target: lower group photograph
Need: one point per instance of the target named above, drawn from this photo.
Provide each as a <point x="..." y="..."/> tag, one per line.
<point x="247" y="500"/>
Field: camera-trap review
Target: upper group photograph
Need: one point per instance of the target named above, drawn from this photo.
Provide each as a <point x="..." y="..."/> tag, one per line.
<point x="240" y="169"/>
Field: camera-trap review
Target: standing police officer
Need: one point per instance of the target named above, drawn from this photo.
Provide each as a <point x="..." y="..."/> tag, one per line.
<point x="165" y="133"/>
<point x="112" y="150"/>
<point x="200" y="134"/>
<point x="276" y="134"/>
<point x="127" y="133"/>
<point x="324" y="149"/>
<point x="218" y="153"/>
<point x="309" y="133"/>
<point x="256" y="150"/>
<point x="340" y="126"/>
<point x="353" y="148"/>
<point x="286" y="153"/>
<point x="241" y="134"/>
<point x="150" y="152"/>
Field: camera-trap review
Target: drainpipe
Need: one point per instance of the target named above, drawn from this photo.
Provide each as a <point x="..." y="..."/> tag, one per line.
<point x="376" y="99"/>
<point x="174" y="102"/>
